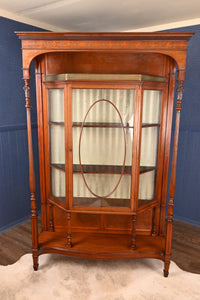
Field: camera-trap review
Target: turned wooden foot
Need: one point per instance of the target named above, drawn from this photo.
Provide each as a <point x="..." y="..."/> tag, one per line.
<point x="35" y="267"/>
<point x="166" y="269"/>
<point x="35" y="262"/>
<point x="166" y="273"/>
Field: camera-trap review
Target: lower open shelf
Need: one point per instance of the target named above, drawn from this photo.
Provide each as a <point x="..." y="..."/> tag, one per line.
<point x="102" y="245"/>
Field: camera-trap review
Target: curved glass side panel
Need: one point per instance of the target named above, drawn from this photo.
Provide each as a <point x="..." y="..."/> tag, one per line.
<point x="58" y="184"/>
<point x="151" y="107"/>
<point x="149" y="145"/>
<point x="57" y="143"/>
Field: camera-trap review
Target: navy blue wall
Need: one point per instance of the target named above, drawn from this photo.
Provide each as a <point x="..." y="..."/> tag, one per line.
<point x="187" y="195"/>
<point x="14" y="186"/>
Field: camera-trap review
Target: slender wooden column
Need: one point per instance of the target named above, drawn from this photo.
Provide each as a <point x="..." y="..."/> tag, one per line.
<point x="69" y="231"/>
<point x="39" y="95"/>
<point x="34" y="217"/>
<point x="133" y="237"/>
<point x="173" y="178"/>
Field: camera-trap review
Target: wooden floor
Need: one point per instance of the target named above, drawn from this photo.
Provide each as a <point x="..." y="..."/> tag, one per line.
<point x="185" y="246"/>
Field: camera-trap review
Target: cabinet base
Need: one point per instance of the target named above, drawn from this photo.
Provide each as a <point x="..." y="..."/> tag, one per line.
<point x="102" y="246"/>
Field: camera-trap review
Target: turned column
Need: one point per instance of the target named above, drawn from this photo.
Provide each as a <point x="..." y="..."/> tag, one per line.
<point x="173" y="175"/>
<point x="34" y="217"/>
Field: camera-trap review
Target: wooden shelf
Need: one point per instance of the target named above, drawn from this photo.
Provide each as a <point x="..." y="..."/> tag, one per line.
<point x="144" y="169"/>
<point x="101" y="125"/>
<point x="57" y="123"/>
<point x="97" y="202"/>
<point x="102" y="169"/>
<point x="109" y="169"/>
<point x="142" y="202"/>
<point x="144" y="125"/>
<point x="102" y="245"/>
<point x="58" y="200"/>
<point x="111" y="125"/>
<point x="60" y="167"/>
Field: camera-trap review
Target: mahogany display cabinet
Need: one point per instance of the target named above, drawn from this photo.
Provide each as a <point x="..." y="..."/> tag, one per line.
<point x="104" y="107"/>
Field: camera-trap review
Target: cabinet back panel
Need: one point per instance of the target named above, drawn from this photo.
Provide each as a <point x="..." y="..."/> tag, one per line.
<point x="85" y="220"/>
<point x="78" y="220"/>
<point x="105" y="63"/>
<point x="106" y="222"/>
<point x="144" y="220"/>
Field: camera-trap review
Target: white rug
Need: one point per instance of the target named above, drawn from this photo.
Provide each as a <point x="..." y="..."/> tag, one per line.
<point x="59" y="277"/>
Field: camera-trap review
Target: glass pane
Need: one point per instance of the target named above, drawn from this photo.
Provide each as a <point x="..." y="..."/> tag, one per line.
<point x="146" y="187"/>
<point x="149" y="145"/>
<point x="102" y="145"/>
<point x="57" y="144"/>
<point x="98" y="146"/>
<point x="58" y="184"/>
<point x="103" y="113"/>
<point x="101" y="183"/>
<point x="56" y="105"/>
<point x="151" y="107"/>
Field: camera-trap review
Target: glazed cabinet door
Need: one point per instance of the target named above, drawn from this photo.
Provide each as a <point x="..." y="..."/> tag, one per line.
<point x="102" y="146"/>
